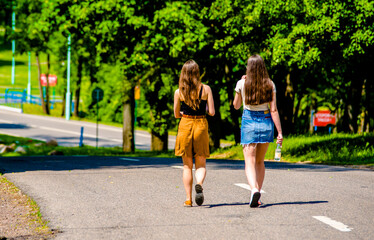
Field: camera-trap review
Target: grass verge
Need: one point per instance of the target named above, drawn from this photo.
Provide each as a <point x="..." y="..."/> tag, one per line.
<point x="334" y="149"/>
<point x="21" y="217"/>
<point x="37" y="148"/>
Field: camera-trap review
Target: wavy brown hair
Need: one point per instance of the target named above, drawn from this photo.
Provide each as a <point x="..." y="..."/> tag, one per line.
<point x="189" y="82"/>
<point x="258" y="86"/>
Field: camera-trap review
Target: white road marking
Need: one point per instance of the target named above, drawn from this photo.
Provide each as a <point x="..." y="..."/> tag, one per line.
<point x="5" y="133"/>
<point x="181" y="167"/>
<point x="246" y="186"/>
<point x="11" y="109"/>
<point x="335" y="224"/>
<point x="76" y="123"/>
<point x="130" y="159"/>
<point x="6" y="121"/>
<point x="75" y="133"/>
<point x="109" y="128"/>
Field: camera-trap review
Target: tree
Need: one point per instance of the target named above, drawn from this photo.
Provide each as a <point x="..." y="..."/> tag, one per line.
<point x="176" y="35"/>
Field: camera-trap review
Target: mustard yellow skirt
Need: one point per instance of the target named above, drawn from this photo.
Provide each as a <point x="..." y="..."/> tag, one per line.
<point x="192" y="138"/>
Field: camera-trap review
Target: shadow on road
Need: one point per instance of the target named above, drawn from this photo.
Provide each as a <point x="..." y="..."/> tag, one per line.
<point x="225" y="204"/>
<point x="265" y="205"/>
<point x="292" y="203"/>
<point x="63" y="163"/>
<point x="13" y="126"/>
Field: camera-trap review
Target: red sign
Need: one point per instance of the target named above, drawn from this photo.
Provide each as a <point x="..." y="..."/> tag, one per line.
<point x="323" y="118"/>
<point x="52" y="79"/>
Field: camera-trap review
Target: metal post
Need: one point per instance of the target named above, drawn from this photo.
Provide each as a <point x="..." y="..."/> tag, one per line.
<point x="81" y="138"/>
<point x="68" y="95"/>
<point x="29" y="82"/>
<point x="13" y="42"/>
<point x="97" y="119"/>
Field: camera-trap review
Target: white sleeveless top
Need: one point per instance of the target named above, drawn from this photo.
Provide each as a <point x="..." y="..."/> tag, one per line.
<point x="260" y="107"/>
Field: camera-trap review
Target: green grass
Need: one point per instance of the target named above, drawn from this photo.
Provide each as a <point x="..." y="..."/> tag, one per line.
<point x="33" y="149"/>
<point x="57" y="110"/>
<point x="21" y="71"/>
<point x="334" y="149"/>
<point x="34" y="216"/>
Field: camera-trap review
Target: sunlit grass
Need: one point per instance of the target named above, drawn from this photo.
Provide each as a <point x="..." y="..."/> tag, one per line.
<point x="334" y="149"/>
<point x="35" y="149"/>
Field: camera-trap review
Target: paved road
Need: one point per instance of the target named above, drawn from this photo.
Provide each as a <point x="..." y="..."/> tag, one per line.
<point x="68" y="133"/>
<point x="141" y="198"/>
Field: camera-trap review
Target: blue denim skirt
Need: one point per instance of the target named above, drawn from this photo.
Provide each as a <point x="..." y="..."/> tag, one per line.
<point x="257" y="127"/>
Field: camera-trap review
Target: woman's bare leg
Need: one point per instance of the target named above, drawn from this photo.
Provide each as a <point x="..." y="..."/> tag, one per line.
<point x="249" y="152"/>
<point x="187" y="176"/>
<point x="200" y="173"/>
<point x="260" y="165"/>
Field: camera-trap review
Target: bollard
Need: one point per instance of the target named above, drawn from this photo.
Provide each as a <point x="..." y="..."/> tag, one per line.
<point x="81" y="138"/>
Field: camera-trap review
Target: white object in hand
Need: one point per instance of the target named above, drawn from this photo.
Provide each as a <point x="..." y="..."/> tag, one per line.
<point x="277" y="156"/>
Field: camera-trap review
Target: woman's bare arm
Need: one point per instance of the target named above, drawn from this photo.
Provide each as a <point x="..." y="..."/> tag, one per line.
<point x="211" y="110"/>
<point x="275" y="116"/>
<point x="237" y="101"/>
<point x="177" y="105"/>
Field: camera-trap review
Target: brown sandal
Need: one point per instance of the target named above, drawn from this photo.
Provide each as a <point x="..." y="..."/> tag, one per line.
<point x="188" y="203"/>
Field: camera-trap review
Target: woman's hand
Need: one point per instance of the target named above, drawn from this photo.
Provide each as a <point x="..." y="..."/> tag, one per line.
<point x="280" y="139"/>
<point x="244" y="77"/>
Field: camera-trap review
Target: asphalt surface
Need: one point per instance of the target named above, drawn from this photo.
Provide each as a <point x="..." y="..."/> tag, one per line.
<point x="67" y="133"/>
<point x="142" y="198"/>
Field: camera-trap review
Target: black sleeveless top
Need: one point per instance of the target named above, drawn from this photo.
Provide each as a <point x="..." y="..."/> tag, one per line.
<point x="187" y="110"/>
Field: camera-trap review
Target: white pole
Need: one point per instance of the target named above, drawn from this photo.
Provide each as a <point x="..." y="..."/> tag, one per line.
<point x="68" y="95"/>
<point x="29" y="82"/>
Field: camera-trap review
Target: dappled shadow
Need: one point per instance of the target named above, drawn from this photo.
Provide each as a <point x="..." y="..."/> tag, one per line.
<point x="13" y="126"/>
<point x="9" y="63"/>
<point x="225" y="204"/>
<point x="338" y="149"/>
<point x="291" y="203"/>
<point x="274" y="165"/>
<point x="264" y="205"/>
<point x="63" y="163"/>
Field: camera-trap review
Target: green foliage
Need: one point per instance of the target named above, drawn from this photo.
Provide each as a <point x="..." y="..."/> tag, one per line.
<point x="334" y="149"/>
<point x="73" y="151"/>
<point x="319" y="54"/>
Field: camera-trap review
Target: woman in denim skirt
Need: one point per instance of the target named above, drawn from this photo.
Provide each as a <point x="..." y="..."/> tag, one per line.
<point x="192" y="101"/>
<point x="256" y="91"/>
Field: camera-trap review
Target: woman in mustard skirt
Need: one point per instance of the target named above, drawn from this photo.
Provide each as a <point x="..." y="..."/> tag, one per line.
<point x="192" y="101"/>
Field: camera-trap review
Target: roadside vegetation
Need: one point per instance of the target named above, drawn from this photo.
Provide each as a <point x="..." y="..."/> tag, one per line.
<point x="20" y="216"/>
<point x="319" y="55"/>
<point x="333" y="149"/>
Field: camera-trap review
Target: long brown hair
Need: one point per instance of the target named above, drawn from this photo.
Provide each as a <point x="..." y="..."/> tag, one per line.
<point x="258" y="86"/>
<point x="189" y="82"/>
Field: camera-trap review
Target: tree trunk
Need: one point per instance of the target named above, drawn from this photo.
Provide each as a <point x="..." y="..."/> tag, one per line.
<point x="78" y="89"/>
<point x="63" y="103"/>
<point x="47" y="87"/>
<point x="356" y="103"/>
<point x="289" y="103"/>
<point x="215" y="123"/>
<point x="370" y="105"/>
<point x="128" y="134"/>
<point x="40" y="83"/>
<point x="285" y="99"/>
<point x="159" y="142"/>
<point x="235" y="114"/>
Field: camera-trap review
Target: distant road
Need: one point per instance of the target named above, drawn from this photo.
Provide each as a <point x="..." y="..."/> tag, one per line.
<point x="67" y="133"/>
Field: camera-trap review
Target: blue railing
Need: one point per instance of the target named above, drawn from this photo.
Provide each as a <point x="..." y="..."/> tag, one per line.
<point x="16" y="97"/>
